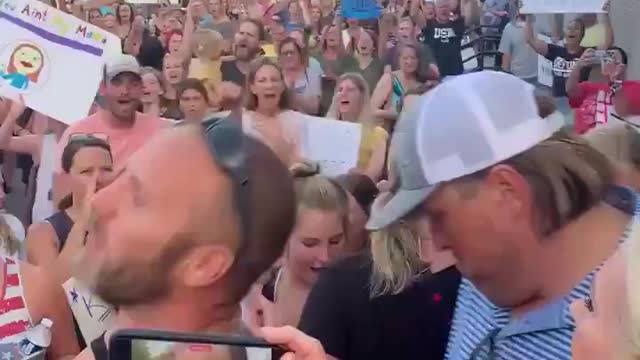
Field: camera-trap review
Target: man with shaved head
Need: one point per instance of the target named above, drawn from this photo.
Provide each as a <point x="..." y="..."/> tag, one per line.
<point x="181" y="234"/>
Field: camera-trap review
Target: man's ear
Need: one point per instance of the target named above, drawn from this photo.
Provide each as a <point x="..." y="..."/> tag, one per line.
<point x="205" y="265"/>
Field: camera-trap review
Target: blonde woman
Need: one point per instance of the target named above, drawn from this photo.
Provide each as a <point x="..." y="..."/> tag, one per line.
<point x="395" y="301"/>
<point x="608" y="321"/>
<point x="10" y="242"/>
<point x="319" y="236"/>
<point x="351" y="103"/>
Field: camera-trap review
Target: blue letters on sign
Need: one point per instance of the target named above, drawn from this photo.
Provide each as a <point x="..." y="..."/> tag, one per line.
<point x="360" y="9"/>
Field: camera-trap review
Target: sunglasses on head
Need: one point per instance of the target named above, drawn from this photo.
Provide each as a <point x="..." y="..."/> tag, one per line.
<point x="89" y="136"/>
<point x="226" y="143"/>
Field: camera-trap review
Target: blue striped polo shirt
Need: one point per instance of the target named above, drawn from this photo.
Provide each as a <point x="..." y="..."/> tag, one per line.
<point x="483" y="331"/>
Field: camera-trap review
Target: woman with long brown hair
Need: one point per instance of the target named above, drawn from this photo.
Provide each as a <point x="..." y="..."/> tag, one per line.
<point x="269" y="116"/>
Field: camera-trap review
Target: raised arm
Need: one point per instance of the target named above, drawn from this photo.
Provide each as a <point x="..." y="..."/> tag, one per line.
<point x="609" y="36"/>
<point x="538" y="45"/>
<point x="379" y="98"/>
<point x="471" y="13"/>
<point x="573" y="82"/>
<point x="187" y="34"/>
<point x="25" y="144"/>
<point x="306" y="12"/>
<point x="416" y="13"/>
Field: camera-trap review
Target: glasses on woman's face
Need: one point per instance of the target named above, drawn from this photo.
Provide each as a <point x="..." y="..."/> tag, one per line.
<point x="288" y="53"/>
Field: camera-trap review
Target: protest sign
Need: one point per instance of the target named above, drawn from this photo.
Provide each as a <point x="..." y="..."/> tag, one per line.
<point x="91" y="313"/>
<point x="562" y="6"/>
<point x="360" y="9"/>
<point x="53" y="59"/>
<point x="545" y="66"/>
<point x="331" y="143"/>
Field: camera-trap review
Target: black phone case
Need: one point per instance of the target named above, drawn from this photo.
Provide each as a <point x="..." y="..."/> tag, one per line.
<point x="120" y="342"/>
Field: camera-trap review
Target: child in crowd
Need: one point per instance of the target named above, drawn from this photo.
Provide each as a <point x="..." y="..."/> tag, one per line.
<point x="207" y="47"/>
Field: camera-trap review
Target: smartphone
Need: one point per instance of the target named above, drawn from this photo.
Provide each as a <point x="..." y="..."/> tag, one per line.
<point x="135" y="344"/>
<point x="600" y="56"/>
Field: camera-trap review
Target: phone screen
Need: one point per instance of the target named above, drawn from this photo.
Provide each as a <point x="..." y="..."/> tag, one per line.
<point x="162" y="345"/>
<point x="172" y="350"/>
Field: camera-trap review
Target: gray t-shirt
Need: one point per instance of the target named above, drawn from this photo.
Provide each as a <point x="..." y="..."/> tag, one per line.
<point x="524" y="60"/>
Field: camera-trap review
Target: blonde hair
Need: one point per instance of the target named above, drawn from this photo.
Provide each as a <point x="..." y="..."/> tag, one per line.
<point x="315" y="191"/>
<point x="8" y="238"/>
<point x="207" y="44"/>
<point x="395" y="254"/>
<point x="364" y="116"/>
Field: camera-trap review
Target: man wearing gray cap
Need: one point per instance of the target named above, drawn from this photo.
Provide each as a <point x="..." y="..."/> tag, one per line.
<point x="118" y="120"/>
<point x="519" y="206"/>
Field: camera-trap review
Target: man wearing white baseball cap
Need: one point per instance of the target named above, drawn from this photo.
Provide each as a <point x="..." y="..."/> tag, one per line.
<point x="520" y="207"/>
<point x="529" y="213"/>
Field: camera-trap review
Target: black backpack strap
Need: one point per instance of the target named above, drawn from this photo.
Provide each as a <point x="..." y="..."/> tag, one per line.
<point x="99" y="349"/>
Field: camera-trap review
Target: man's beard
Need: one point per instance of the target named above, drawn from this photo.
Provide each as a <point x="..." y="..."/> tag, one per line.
<point x="136" y="283"/>
<point x="246" y="54"/>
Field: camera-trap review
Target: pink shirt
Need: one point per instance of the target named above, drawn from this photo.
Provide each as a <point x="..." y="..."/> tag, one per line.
<point x="124" y="141"/>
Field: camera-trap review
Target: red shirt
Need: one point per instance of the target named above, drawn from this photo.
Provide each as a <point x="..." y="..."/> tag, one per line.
<point x="592" y="106"/>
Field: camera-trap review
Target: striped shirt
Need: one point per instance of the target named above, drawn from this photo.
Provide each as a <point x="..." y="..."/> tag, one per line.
<point x="14" y="316"/>
<point x="483" y="331"/>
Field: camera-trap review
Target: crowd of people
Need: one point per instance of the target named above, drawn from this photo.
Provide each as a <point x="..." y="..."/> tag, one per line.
<point x="487" y="217"/>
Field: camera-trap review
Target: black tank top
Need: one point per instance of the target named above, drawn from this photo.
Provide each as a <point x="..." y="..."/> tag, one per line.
<point x="62" y="225"/>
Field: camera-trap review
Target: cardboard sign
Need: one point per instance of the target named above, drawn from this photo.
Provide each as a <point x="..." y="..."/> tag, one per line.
<point x="360" y="9"/>
<point x="333" y="144"/>
<point x="53" y="59"/>
<point x="562" y="6"/>
<point x="92" y="314"/>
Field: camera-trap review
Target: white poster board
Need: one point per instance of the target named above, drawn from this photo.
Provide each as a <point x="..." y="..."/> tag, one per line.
<point x="331" y="143"/>
<point x="562" y="6"/>
<point x="92" y="314"/>
<point x="545" y="66"/>
<point x="53" y="59"/>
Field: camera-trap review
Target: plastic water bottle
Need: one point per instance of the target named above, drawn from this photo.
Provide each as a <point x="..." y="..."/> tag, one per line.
<point x="38" y="338"/>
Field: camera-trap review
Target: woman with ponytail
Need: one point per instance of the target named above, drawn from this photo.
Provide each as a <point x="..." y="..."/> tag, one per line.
<point x="319" y="237"/>
<point x="83" y="157"/>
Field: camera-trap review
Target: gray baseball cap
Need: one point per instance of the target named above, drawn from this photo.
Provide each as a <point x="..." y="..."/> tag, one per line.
<point x="118" y="64"/>
<point x="467" y="124"/>
<point x="411" y="188"/>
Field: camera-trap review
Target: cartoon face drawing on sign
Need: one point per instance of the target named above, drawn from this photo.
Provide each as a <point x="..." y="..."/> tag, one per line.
<point x="22" y="66"/>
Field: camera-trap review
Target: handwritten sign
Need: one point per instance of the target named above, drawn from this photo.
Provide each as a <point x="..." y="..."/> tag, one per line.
<point x="52" y="58"/>
<point x="545" y="66"/>
<point x="360" y="9"/>
<point x="562" y="6"/>
<point x="92" y="314"/>
<point x="333" y="144"/>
